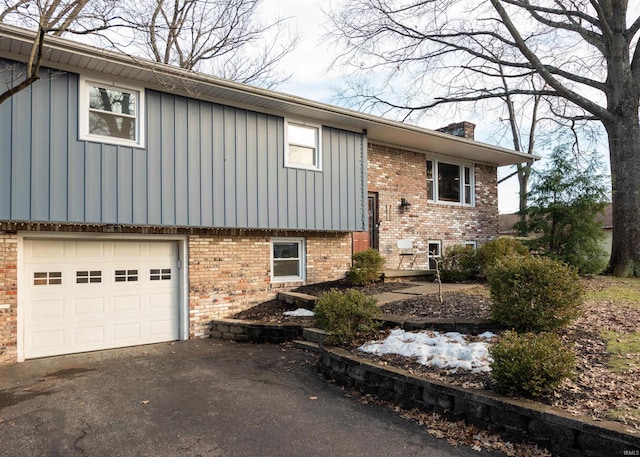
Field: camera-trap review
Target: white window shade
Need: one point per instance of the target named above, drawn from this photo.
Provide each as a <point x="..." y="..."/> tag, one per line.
<point x="303" y="146"/>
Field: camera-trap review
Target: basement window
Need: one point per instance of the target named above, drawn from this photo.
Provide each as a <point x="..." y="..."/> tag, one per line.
<point x="287" y="259"/>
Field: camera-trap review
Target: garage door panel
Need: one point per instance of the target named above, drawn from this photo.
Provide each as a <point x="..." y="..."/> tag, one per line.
<point x="160" y="327"/>
<point x="46" y="339"/>
<point x="88" y="249"/>
<point x="46" y="249"/>
<point x="89" y="334"/>
<point x="127" y="331"/>
<point x="160" y="301"/>
<point x="126" y="303"/>
<point x="45" y="310"/>
<point x="127" y="250"/>
<point x="99" y="294"/>
<point x="89" y="306"/>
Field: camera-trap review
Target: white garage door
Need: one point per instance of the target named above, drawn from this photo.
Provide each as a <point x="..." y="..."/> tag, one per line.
<point x="86" y="295"/>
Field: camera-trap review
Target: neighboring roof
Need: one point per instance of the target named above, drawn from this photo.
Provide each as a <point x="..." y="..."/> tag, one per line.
<point x="606" y="218"/>
<point x="507" y="221"/>
<point x="62" y="54"/>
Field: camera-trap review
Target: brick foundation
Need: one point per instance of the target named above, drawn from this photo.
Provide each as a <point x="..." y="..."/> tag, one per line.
<point x="8" y="297"/>
<point x="230" y="274"/>
<point x="395" y="174"/>
<point x="229" y="270"/>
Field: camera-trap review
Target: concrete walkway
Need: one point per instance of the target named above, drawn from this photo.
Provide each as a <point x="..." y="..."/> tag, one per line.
<point x="197" y="398"/>
<point x="419" y="288"/>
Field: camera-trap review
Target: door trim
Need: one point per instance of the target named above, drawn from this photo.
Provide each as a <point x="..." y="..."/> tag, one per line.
<point x="374" y="231"/>
<point x="183" y="258"/>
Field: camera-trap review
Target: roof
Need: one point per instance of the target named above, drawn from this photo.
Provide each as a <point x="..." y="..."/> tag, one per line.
<point x="606" y="218"/>
<point x="507" y="221"/>
<point x="63" y="54"/>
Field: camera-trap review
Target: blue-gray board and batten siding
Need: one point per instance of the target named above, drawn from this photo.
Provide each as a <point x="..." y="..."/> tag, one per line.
<point x="204" y="165"/>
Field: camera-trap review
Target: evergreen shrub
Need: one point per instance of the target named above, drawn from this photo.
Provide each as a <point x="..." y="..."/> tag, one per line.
<point x="534" y="294"/>
<point x="531" y="363"/>
<point x="458" y="264"/>
<point x="346" y="315"/>
<point x="367" y="267"/>
<point x="498" y="249"/>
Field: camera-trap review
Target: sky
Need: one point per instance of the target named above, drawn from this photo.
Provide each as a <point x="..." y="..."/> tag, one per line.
<point x="314" y="77"/>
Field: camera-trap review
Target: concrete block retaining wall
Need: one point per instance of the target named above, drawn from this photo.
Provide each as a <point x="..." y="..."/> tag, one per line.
<point x="256" y="332"/>
<point x="563" y="434"/>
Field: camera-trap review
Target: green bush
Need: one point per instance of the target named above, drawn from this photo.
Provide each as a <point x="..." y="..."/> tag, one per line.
<point x="534" y="294"/>
<point x="346" y="315"/>
<point x="366" y="268"/>
<point x="498" y="249"/>
<point x="459" y="264"/>
<point x="531" y="363"/>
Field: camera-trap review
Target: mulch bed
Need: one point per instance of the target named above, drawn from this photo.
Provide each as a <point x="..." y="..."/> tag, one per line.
<point x="271" y="311"/>
<point x="454" y="304"/>
<point x="342" y="285"/>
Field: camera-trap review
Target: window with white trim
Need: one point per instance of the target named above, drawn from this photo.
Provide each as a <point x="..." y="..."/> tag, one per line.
<point x="111" y="113"/>
<point x="450" y="183"/>
<point x="287" y="259"/>
<point x="303" y="145"/>
<point x="470" y="245"/>
<point x="434" y="252"/>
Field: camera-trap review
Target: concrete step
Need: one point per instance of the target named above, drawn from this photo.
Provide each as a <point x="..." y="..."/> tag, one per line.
<point x="401" y="275"/>
<point x="306" y="345"/>
<point x="314" y="335"/>
<point x="298" y="299"/>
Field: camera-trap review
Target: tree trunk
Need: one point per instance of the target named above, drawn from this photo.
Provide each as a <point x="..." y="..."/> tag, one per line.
<point x="624" y="151"/>
<point x="524" y="172"/>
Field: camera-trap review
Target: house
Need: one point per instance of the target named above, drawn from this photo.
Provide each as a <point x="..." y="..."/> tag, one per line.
<point x="139" y="201"/>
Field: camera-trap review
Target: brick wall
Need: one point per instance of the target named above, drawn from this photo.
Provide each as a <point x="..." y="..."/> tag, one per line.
<point x="229" y="270"/>
<point x="8" y="297"/>
<point x="463" y="129"/>
<point x="230" y="274"/>
<point x="396" y="174"/>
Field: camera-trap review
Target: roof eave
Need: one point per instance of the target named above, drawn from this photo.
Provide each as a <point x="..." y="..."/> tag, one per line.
<point x="77" y="57"/>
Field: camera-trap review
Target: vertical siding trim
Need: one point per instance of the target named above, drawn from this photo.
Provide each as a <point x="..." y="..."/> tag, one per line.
<point x="364" y="181"/>
<point x="6" y="155"/>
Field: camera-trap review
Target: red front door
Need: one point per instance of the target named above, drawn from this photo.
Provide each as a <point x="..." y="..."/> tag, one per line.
<point x="370" y="239"/>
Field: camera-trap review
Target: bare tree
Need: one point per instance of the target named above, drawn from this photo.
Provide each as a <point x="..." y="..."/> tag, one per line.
<point x="585" y="51"/>
<point x="51" y="17"/>
<point x="220" y="37"/>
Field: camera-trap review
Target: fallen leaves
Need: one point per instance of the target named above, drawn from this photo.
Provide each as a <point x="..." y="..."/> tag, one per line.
<point x="598" y="391"/>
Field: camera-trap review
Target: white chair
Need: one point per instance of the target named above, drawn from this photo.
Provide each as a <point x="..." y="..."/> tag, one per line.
<point x="407" y="252"/>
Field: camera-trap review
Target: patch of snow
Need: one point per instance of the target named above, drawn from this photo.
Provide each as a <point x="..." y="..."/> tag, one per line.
<point x="300" y="312"/>
<point x="435" y="349"/>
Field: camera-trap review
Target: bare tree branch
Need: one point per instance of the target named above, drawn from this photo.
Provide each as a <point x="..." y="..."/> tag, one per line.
<point x="433" y="53"/>
<point x="220" y="37"/>
<point x="53" y="17"/>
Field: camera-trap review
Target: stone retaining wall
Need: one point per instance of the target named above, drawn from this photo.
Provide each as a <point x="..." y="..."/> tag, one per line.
<point x="563" y="434"/>
<point x="256" y="332"/>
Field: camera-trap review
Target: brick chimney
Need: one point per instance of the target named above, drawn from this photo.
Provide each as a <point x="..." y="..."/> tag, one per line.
<point x="464" y="129"/>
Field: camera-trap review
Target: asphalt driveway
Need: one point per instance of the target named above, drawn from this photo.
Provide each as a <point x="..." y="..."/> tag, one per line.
<point x="195" y="398"/>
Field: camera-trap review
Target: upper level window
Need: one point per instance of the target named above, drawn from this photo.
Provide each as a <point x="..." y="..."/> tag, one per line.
<point x="450" y="183"/>
<point x="111" y="114"/>
<point x="302" y="149"/>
